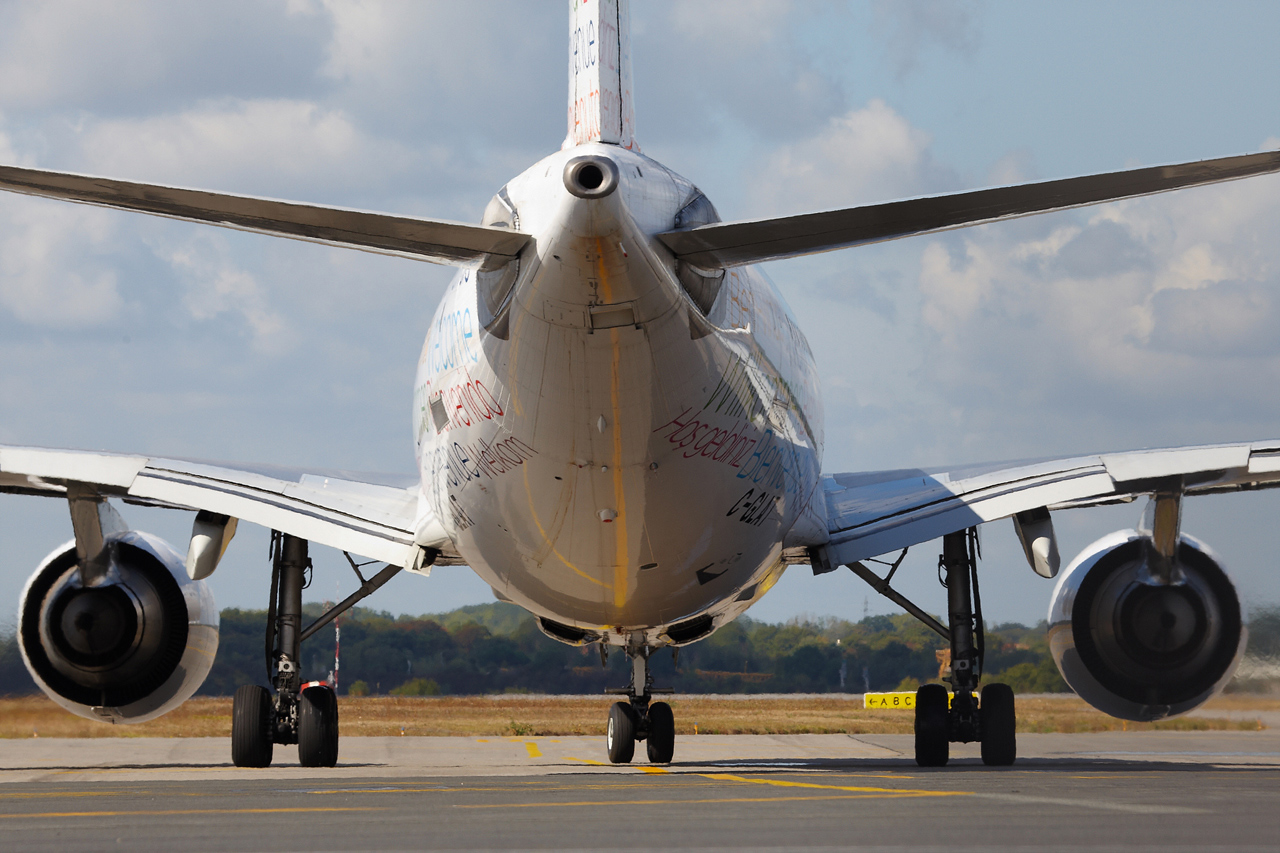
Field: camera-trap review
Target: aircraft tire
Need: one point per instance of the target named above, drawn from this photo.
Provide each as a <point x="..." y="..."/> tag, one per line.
<point x="661" y="743"/>
<point x="999" y="725"/>
<point x="252" y="717"/>
<point x="932" y="726"/>
<point x="318" y="727"/>
<point x="620" y="737"/>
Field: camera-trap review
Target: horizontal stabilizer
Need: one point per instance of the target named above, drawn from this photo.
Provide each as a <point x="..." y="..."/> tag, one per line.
<point x="735" y="243"/>
<point x="432" y="240"/>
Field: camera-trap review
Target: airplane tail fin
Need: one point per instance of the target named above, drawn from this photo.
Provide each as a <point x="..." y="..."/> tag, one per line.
<point x="600" y="108"/>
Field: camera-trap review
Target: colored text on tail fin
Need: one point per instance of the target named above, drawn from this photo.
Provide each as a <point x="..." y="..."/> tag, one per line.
<point x="600" y="108"/>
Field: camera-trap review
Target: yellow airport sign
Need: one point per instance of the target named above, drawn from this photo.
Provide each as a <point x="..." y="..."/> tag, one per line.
<point x="895" y="701"/>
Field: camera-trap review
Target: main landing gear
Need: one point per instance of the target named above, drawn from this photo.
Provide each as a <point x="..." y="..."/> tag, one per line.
<point x="638" y="718"/>
<point x="939" y="723"/>
<point x="305" y="714"/>
<point x="991" y="720"/>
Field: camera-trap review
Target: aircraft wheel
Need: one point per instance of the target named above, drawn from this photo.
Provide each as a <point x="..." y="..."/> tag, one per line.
<point x="932" y="728"/>
<point x="999" y="725"/>
<point x="252" y="718"/>
<point x="318" y="727"/>
<point x="620" y="737"/>
<point x="661" y="744"/>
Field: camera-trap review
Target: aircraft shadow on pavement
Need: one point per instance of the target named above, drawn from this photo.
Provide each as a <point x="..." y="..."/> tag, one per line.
<point x="1217" y="762"/>
<point x="196" y="765"/>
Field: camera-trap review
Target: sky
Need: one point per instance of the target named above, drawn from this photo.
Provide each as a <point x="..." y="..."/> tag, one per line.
<point x="1139" y="324"/>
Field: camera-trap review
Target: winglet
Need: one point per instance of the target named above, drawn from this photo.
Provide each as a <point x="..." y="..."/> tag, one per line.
<point x="600" y="108"/>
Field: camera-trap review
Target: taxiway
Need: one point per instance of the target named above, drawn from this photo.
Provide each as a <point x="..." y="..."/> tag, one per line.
<point x="1171" y="791"/>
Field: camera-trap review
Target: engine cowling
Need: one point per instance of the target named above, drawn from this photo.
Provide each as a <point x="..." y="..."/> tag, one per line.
<point x="126" y="649"/>
<point x="1139" y="649"/>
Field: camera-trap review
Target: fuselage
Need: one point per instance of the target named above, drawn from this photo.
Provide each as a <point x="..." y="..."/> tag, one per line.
<point x="613" y="441"/>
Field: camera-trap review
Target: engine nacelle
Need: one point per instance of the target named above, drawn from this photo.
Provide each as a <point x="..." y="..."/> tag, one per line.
<point x="126" y="649"/>
<point x="1139" y="649"/>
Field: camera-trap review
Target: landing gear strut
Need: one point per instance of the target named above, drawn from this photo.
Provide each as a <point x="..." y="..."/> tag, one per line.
<point x="305" y="714"/>
<point x="638" y="718"/>
<point x="940" y="723"/>
<point x="990" y="721"/>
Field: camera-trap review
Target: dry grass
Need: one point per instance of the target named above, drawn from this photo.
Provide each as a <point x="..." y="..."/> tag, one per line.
<point x="1070" y="714"/>
<point x="572" y="715"/>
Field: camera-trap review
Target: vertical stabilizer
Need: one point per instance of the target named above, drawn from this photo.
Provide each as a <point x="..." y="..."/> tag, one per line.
<point x="600" y="73"/>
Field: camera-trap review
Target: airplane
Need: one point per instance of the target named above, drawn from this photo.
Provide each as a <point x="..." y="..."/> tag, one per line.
<point x="618" y="426"/>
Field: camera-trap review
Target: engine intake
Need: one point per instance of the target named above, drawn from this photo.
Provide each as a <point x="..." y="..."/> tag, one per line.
<point x="1138" y="648"/>
<point x="126" y="648"/>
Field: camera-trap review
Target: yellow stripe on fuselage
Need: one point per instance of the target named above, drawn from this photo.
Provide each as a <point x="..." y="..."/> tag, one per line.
<point x="619" y="492"/>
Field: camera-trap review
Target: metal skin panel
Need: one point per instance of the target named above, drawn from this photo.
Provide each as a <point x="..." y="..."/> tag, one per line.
<point x="106" y="469"/>
<point x="383" y="520"/>
<point x="1150" y="464"/>
<point x="311" y="522"/>
<point x="627" y="477"/>
<point x="872" y="513"/>
<point x="945" y="512"/>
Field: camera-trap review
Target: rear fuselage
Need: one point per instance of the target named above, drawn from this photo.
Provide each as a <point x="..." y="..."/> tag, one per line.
<point x="601" y="449"/>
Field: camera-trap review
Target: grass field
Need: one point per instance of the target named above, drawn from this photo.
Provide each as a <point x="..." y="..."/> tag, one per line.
<point x="575" y="715"/>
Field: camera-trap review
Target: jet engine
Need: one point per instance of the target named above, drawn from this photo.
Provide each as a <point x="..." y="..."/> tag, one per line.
<point x="131" y="645"/>
<point x="1142" y="644"/>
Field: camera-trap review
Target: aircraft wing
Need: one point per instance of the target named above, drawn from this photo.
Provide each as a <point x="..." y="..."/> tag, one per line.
<point x="376" y="516"/>
<point x="727" y="244"/>
<point x="423" y="239"/>
<point x="876" y="512"/>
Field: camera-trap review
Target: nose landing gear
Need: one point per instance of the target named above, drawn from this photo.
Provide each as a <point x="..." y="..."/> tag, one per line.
<point x="638" y="718"/>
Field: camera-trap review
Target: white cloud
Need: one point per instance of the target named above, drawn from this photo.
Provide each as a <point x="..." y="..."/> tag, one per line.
<point x="259" y="147"/>
<point x="1014" y="167"/>
<point x="217" y="285"/>
<point x="76" y="53"/>
<point x="1148" y="303"/>
<point x="1222" y="319"/>
<point x="48" y="274"/>
<point x="432" y="69"/>
<point x="8" y="155"/>
<point x="865" y="155"/>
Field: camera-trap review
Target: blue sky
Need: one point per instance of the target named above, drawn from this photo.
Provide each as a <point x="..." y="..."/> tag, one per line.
<point x="1146" y="323"/>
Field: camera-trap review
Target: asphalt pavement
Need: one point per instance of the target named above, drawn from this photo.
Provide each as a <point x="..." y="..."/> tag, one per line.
<point x="1166" y="791"/>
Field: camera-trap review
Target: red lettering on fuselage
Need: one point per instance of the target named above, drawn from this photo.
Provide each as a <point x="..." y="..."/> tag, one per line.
<point x="707" y="440"/>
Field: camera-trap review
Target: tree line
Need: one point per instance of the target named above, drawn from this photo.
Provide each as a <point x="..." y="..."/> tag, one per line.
<point x="496" y="648"/>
